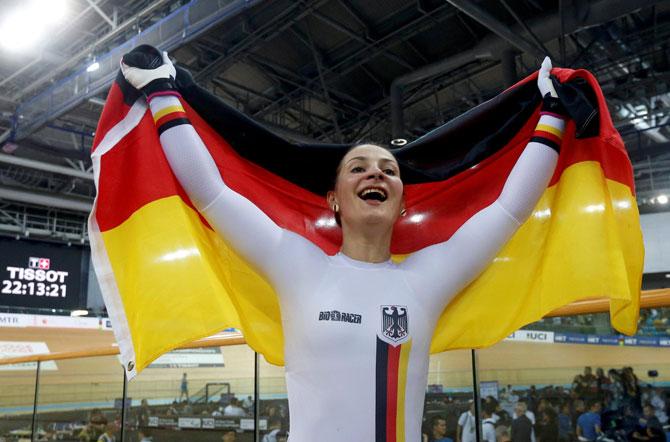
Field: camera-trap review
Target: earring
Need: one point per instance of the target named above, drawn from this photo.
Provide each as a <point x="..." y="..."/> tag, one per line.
<point x="336" y="208"/>
<point x="403" y="212"/>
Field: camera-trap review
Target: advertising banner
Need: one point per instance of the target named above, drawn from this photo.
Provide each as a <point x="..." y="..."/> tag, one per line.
<point x="190" y="358"/>
<point x="11" y="349"/>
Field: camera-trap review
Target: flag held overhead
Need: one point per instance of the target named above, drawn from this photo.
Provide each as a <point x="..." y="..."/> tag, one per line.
<point x="168" y="279"/>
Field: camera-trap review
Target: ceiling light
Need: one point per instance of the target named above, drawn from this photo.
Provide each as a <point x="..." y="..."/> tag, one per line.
<point x="93" y="67"/>
<point x="26" y="25"/>
<point x="662" y="199"/>
<point x="79" y="313"/>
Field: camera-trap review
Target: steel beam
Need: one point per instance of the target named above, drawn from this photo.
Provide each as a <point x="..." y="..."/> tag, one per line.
<point x="46" y="167"/>
<point x="546" y="29"/>
<point x="365" y="53"/>
<point x="502" y="30"/>
<point x="102" y="14"/>
<point x="72" y="91"/>
<point x="46" y="199"/>
<point x="276" y="26"/>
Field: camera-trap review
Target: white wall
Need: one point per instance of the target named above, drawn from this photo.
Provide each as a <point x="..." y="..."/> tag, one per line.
<point x="656" y="233"/>
<point x="94" y="296"/>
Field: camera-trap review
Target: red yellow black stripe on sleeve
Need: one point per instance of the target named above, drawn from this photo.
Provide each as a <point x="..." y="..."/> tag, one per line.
<point x="170" y="116"/>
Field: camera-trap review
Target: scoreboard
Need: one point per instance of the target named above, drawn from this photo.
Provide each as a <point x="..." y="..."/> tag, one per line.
<point x="39" y="274"/>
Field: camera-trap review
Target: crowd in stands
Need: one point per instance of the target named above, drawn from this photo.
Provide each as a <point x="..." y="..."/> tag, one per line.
<point x="612" y="406"/>
<point x="598" y="407"/>
<point x="227" y="406"/>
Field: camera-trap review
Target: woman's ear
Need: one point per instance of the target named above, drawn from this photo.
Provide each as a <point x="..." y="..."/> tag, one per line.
<point x="330" y="198"/>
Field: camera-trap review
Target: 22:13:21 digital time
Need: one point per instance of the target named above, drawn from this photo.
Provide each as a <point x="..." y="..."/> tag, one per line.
<point x="33" y="289"/>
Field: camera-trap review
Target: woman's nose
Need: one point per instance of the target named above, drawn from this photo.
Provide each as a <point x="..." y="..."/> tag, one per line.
<point x="376" y="172"/>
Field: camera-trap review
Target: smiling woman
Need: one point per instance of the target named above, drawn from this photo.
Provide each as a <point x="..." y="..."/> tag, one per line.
<point x="368" y="192"/>
<point x="357" y="326"/>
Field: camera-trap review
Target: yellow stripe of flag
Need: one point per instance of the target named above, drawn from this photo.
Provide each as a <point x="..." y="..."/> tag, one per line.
<point x="402" y="381"/>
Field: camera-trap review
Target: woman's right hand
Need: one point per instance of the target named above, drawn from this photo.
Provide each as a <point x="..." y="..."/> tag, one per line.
<point x="148" y="70"/>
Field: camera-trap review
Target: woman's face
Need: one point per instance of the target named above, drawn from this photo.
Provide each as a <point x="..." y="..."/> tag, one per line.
<point x="368" y="188"/>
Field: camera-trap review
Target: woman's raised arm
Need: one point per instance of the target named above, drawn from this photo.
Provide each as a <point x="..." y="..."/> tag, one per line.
<point x="243" y="225"/>
<point x="442" y="270"/>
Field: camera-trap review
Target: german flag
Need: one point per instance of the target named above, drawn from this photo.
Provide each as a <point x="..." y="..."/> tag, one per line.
<point x="167" y="279"/>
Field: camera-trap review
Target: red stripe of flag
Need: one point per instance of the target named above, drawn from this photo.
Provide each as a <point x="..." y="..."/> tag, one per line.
<point x="392" y="392"/>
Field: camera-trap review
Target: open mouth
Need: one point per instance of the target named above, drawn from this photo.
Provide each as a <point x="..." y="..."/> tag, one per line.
<point x="374" y="194"/>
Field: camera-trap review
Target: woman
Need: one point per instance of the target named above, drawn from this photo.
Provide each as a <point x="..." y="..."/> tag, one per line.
<point x="357" y="326"/>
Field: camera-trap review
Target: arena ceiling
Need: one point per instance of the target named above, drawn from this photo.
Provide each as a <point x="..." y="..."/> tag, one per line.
<point x="331" y="70"/>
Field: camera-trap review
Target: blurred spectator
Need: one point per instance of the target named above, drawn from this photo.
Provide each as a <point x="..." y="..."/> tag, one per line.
<point x="186" y="408"/>
<point x="588" y="424"/>
<point x="183" y="389"/>
<point x="649" y="428"/>
<point x="508" y="400"/>
<point x="560" y="394"/>
<point x="144" y="435"/>
<point x="532" y="399"/>
<point x="501" y="417"/>
<point x="229" y="436"/>
<point x="224" y="399"/>
<point x="546" y="429"/>
<point x="109" y="434"/>
<point x="143" y="414"/>
<point x="438" y="430"/>
<point x="502" y="434"/>
<point x="233" y="409"/>
<point x="602" y="384"/>
<point x="522" y="427"/>
<point x="578" y="408"/>
<point x="655" y="399"/>
<point x="631" y="389"/>
<point x="585" y="385"/>
<point x="172" y="410"/>
<point x="531" y="417"/>
<point x="271" y="411"/>
<point x="248" y="403"/>
<point x="615" y="390"/>
<point x="565" y="424"/>
<point x="488" y="424"/>
<point x="466" y="425"/>
<point x="95" y="427"/>
<point x="274" y="427"/>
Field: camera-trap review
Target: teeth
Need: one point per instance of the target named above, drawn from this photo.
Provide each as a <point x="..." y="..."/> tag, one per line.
<point x="367" y="191"/>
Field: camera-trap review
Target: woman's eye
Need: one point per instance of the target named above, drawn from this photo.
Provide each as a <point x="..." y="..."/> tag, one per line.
<point x="390" y="172"/>
<point x="358" y="169"/>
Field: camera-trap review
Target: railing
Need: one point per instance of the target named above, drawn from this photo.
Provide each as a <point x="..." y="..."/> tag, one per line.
<point x="70" y="395"/>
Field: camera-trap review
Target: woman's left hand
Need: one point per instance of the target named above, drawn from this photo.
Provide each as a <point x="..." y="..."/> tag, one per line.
<point x="544" y="83"/>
